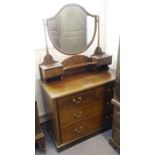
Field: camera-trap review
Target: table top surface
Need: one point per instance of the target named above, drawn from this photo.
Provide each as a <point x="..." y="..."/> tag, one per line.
<point x="78" y="82"/>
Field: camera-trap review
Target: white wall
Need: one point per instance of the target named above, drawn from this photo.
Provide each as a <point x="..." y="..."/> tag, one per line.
<point x="112" y="32"/>
<point x="49" y="8"/>
<point x="108" y="32"/>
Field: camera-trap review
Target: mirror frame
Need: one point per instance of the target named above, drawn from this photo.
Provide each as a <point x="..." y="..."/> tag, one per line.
<point x="91" y="41"/>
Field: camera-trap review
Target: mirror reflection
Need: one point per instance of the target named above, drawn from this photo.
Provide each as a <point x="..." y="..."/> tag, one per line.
<point x="72" y="30"/>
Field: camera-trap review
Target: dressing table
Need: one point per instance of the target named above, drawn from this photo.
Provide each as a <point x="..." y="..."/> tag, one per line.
<point x="77" y="90"/>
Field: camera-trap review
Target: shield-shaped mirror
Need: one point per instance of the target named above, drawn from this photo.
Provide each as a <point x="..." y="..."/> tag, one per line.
<point x="72" y="30"/>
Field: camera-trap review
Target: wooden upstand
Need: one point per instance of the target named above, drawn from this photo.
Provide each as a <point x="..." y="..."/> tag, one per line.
<point x="80" y="105"/>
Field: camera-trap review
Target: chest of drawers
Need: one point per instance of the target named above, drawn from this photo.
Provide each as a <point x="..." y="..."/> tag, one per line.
<point x="79" y="105"/>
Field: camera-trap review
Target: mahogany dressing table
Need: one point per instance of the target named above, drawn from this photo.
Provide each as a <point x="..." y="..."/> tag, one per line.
<point x="79" y="89"/>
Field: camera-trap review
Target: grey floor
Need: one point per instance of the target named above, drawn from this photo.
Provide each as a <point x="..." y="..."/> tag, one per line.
<point x="97" y="145"/>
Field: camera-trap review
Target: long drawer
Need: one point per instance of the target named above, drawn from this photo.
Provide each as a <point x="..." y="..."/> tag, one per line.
<point x="86" y="126"/>
<point x="81" y="128"/>
<point x="72" y="116"/>
<point x="77" y="99"/>
<point x="104" y="93"/>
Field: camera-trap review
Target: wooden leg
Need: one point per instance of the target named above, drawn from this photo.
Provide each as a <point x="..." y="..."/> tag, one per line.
<point x="41" y="143"/>
<point x="113" y="144"/>
<point x="40" y="140"/>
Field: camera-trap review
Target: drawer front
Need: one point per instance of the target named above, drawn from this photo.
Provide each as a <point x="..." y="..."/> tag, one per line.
<point x="75" y="100"/>
<point x="106" y="92"/>
<point x="81" y="128"/>
<point x="108" y="118"/>
<point x="72" y="116"/>
<point x="108" y="105"/>
<point x="52" y="72"/>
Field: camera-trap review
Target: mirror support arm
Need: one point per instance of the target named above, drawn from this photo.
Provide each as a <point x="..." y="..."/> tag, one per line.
<point x="98" y="50"/>
<point x="44" y="24"/>
<point x="98" y="27"/>
<point x="48" y="59"/>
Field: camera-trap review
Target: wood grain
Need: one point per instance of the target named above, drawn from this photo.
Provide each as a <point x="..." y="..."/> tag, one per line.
<point x="79" y="104"/>
<point x="78" y="83"/>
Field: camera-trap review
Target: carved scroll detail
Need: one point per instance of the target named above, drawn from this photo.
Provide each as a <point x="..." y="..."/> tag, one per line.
<point x="77" y="61"/>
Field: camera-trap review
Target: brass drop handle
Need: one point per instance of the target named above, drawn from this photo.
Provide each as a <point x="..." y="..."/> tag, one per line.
<point x="77" y="115"/>
<point x="78" y="100"/>
<point x="79" y="130"/>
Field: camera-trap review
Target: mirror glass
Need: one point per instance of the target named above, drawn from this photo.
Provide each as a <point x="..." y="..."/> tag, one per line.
<point x="72" y="30"/>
